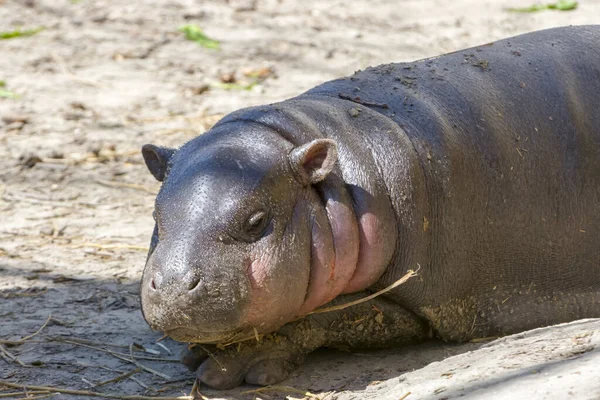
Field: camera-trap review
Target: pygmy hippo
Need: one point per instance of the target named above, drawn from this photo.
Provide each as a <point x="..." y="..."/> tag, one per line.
<point x="479" y="169"/>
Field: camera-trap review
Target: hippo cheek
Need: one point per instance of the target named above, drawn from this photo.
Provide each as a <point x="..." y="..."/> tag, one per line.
<point x="265" y="304"/>
<point x="278" y="276"/>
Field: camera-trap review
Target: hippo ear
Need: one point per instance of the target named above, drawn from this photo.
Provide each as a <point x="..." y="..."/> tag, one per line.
<point x="156" y="159"/>
<point x="313" y="161"/>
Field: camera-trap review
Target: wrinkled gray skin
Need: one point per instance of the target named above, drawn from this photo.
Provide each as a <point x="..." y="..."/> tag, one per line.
<point x="480" y="168"/>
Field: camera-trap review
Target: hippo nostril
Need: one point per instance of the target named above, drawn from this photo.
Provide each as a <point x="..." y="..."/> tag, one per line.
<point x="152" y="284"/>
<point x="194" y="284"/>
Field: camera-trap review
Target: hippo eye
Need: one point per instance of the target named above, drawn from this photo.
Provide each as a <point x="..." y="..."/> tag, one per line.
<point x="256" y="225"/>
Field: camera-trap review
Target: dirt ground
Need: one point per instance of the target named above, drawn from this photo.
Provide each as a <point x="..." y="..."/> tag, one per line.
<point x="106" y="76"/>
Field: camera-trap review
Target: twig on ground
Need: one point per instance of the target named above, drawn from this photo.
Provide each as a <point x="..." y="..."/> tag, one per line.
<point x="17" y="394"/>
<point x="23" y="340"/>
<point x="110" y="246"/>
<point x="281" y="389"/>
<point x="38" y="397"/>
<point x="165" y="348"/>
<point x="123" y="357"/>
<point x="125" y="185"/>
<point x="93" y="345"/>
<point x="91" y="394"/>
<point x="119" y="378"/>
<point x="12" y="197"/>
<point x="142" y="384"/>
<point x="89" y="383"/>
<point x="195" y="392"/>
<point x="65" y="70"/>
<point x="8" y="356"/>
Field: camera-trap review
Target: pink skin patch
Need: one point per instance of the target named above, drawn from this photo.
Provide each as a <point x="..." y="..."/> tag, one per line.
<point x="265" y="310"/>
<point x="370" y="254"/>
<point x="334" y="254"/>
<point x="276" y="291"/>
<point x="345" y="256"/>
<point x="322" y="269"/>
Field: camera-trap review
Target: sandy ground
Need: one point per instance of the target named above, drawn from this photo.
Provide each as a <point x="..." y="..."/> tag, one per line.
<point x="105" y="77"/>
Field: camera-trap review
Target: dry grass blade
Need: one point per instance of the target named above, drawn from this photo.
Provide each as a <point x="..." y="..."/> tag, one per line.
<point x="24" y="339"/>
<point x="405" y="396"/>
<point x="399" y="282"/>
<point x="123" y="357"/>
<point x="110" y="246"/>
<point x="8" y="356"/>
<point x="125" y="185"/>
<point x="142" y="384"/>
<point x="65" y="70"/>
<point x="195" y="392"/>
<point x="38" y="397"/>
<point x="282" y="389"/>
<point x="120" y="377"/>
<point x="38" y="331"/>
<point x="23" y="393"/>
<point x="212" y="355"/>
<point x="90" y="394"/>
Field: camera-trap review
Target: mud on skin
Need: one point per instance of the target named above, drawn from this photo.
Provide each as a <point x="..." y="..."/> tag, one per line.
<point x="481" y="167"/>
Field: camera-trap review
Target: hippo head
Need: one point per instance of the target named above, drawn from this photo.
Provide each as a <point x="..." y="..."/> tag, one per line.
<point x="237" y="234"/>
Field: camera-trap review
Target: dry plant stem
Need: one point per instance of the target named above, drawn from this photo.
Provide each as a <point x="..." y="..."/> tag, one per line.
<point x="123" y="357"/>
<point x="195" y="392"/>
<point x="165" y="348"/>
<point x="8" y="356"/>
<point x="63" y="66"/>
<point x="89" y="342"/>
<point x="399" y="282"/>
<point x="142" y="384"/>
<point x="110" y="246"/>
<point x="119" y="378"/>
<point x="39" y="330"/>
<point x="90" y="394"/>
<point x="18" y="342"/>
<point x="17" y="394"/>
<point x="484" y="339"/>
<point x="405" y="396"/>
<point x="281" y="389"/>
<point x="23" y="340"/>
<point x="211" y="355"/>
<point x="125" y="185"/>
<point x="38" y="397"/>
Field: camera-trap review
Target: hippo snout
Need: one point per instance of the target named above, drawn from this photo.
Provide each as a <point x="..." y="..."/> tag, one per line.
<point x="191" y="303"/>
<point x="192" y="284"/>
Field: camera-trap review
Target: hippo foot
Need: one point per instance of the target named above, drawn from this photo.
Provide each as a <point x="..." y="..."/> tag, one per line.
<point x="259" y="363"/>
<point x="374" y="324"/>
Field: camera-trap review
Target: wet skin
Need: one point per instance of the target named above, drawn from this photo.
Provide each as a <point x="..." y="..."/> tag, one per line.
<point x="481" y="168"/>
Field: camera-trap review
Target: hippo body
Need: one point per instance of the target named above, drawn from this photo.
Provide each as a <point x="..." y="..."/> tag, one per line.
<point x="480" y="169"/>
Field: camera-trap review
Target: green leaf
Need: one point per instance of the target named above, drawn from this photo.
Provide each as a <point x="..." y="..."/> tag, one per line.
<point x="2" y="83"/>
<point x="7" y="94"/>
<point x="560" y="5"/>
<point x="563" y="5"/>
<point x="19" y="33"/>
<point x="194" y="33"/>
<point x="234" y="86"/>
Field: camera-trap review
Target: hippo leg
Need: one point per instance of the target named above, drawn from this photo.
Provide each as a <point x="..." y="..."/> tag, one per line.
<point x="374" y="324"/>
